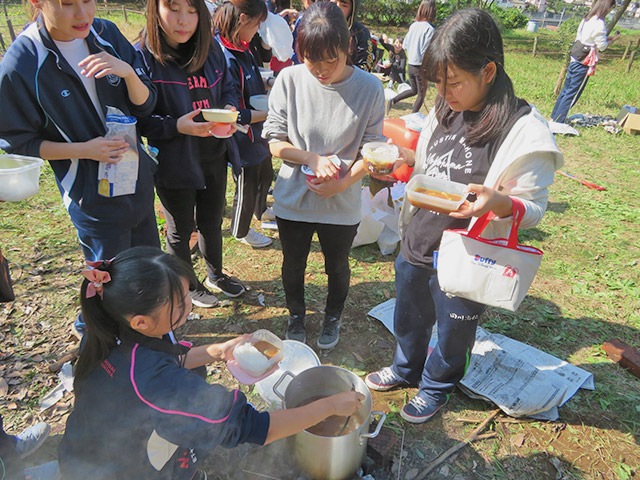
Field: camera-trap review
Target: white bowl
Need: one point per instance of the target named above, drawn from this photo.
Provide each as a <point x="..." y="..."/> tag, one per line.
<point x="19" y="177"/>
<point x="219" y="115"/>
<point x="435" y="194"/>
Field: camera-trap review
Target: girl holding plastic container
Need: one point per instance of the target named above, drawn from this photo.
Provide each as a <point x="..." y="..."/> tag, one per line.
<point x="190" y="73"/>
<point x="321" y="108"/>
<point x="480" y="134"/>
<point x="236" y="22"/>
<point x="56" y="81"/>
<point x="141" y="411"/>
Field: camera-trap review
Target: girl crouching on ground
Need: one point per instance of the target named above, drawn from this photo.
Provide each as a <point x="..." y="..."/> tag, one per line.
<point x="140" y="411"/>
<point x="324" y="107"/>
<point x="480" y="134"/>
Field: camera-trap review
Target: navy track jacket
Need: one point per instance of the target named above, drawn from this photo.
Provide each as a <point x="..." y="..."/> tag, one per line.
<point x="141" y="415"/>
<point x="179" y="155"/>
<point x="44" y="99"/>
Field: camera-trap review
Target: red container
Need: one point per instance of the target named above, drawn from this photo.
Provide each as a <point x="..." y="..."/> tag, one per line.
<point x="396" y="130"/>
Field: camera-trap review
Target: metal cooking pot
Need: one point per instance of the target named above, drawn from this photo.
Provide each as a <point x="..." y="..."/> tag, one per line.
<point x="320" y="454"/>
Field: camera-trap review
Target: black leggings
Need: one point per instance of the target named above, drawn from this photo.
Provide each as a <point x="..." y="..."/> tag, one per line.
<point x="335" y="242"/>
<point x="185" y="207"/>
<point x="252" y="186"/>
<point x="417" y="88"/>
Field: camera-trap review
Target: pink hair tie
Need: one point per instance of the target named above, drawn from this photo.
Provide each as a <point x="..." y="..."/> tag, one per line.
<point x="97" y="278"/>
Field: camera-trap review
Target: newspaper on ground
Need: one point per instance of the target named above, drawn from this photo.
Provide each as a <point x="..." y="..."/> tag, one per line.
<point x="519" y="378"/>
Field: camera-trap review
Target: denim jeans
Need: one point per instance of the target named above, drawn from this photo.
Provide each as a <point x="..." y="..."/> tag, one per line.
<point x="419" y="305"/>
<point x="574" y="84"/>
<point x="335" y="242"/>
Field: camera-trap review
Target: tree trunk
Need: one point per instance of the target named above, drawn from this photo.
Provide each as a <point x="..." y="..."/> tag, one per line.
<point x="617" y="16"/>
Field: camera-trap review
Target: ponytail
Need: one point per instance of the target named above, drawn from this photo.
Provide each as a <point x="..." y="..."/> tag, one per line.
<point x="142" y="280"/>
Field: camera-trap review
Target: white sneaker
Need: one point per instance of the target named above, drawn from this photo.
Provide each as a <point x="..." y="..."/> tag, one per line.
<point x="255" y="239"/>
<point x="267" y="215"/>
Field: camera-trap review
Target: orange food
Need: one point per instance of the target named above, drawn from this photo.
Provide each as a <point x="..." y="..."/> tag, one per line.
<point x="452" y="197"/>
<point x="267" y="349"/>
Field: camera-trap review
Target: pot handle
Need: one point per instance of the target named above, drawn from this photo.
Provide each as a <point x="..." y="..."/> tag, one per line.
<point x="277" y="384"/>
<point x="383" y="417"/>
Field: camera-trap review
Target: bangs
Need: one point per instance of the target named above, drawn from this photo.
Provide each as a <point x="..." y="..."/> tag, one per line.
<point x="318" y="50"/>
<point x="323" y="33"/>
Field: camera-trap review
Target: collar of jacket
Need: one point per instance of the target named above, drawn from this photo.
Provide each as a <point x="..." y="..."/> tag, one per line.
<point x="164" y="344"/>
<point x="231" y="46"/>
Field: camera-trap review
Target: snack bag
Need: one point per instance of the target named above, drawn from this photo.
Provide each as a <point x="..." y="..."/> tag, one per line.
<point x="115" y="179"/>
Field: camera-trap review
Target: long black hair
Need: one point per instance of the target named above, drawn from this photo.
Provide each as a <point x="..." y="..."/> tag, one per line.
<point x="323" y="33"/>
<point x="190" y="56"/>
<point x="143" y="279"/>
<point x="469" y="39"/>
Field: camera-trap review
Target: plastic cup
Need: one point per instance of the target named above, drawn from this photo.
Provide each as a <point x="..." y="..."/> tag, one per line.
<point x="312" y="176"/>
<point x="379" y="157"/>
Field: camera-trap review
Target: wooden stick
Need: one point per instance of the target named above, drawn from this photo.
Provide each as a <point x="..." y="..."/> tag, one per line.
<point x="633" y="55"/>
<point x="500" y="420"/>
<point x="626" y="50"/>
<point x="472" y="436"/>
<point x="535" y="45"/>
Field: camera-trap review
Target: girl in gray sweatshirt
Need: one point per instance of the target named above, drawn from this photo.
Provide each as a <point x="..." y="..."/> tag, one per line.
<point x="321" y="108"/>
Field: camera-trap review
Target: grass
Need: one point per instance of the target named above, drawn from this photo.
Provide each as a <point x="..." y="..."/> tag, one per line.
<point x="587" y="291"/>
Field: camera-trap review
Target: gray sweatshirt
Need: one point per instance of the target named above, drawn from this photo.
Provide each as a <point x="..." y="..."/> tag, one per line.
<point x="417" y="41"/>
<point x="328" y="120"/>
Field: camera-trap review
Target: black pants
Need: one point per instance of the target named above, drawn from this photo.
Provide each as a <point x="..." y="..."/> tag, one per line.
<point x="335" y="242"/>
<point x="184" y="208"/>
<point x="393" y="71"/>
<point x="252" y="187"/>
<point x="417" y="88"/>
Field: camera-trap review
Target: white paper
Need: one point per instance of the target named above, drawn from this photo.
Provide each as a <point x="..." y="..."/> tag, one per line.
<point x="519" y="378"/>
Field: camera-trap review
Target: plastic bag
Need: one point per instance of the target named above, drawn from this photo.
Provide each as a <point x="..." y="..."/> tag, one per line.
<point x="276" y="33"/>
<point x="379" y="221"/>
<point x="115" y="179"/>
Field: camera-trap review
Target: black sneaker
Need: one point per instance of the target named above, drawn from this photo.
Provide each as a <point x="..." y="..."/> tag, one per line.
<point x="296" y="330"/>
<point x="231" y="287"/>
<point x="419" y="410"/>
<point x="203" y="298"/>
<point x="330" y="334"/>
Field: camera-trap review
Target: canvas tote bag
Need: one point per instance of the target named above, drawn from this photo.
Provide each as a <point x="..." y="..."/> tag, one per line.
<point x="496" y="272"/>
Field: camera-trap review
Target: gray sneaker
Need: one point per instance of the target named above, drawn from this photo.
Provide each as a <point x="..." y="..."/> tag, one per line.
<point x="296" y="330"/>
<point x="330" y="333"/>
<point x="32" y="439"/>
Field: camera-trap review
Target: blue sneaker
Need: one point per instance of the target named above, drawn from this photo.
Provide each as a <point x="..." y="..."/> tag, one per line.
<point x="383" y="380"/>
<point x="419" y="410"/>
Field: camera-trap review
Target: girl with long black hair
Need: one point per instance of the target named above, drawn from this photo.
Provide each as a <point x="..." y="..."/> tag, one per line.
<point x="480" y="134"/>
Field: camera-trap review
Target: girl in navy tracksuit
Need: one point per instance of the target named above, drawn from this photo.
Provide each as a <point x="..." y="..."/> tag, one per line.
<point x="189" y="71"/>
<point x="140" y="410"/>
<point x="56" y="81"/>
<point x="236" y="22"/>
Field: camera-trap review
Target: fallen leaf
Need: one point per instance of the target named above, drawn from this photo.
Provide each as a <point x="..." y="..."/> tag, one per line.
<point x="235" y="328"/>
<point x="444" y="470"/>
<point x="4" y="387"/>
<point x="384" y="344"/>
<point x="387" y="295"/>
<point x="518" y="440"/>
<point x="12" y="406"/>
<point x="358" y="357"/>
<point x="411" y="474"/>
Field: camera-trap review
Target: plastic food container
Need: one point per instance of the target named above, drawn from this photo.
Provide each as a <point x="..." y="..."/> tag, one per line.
<point x="379" y="157"/>
<point x="219" y="115"/>
<point x="435" y="194"/>
<point x="19" y="177"/>
<point x="259" y="102"/>
<point x="298" y="357"/>
<point x="257" y="356"/>
<point x="312" y="176"/>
